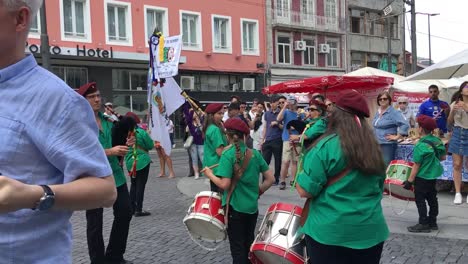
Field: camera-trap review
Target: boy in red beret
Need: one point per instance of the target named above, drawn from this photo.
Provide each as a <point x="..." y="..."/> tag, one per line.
<point x="428" y="153"/>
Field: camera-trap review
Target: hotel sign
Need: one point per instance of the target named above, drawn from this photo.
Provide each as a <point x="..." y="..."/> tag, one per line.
<point x="79" y="51"/>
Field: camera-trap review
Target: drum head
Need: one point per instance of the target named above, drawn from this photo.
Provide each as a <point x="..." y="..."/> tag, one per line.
<point x="205" y="228"/>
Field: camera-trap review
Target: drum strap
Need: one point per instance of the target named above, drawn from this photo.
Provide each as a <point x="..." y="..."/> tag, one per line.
<point x="331" y="180"/>
<point x="430" y="143"/>
<point x="238" y="172"/>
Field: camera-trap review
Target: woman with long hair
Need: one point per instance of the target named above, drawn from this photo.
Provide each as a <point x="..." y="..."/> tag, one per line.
<point x="458" y="144"/>
<point x="386" y="123"/>
<point x="243" y="202"/>
<point x="343" y="177"/>
<point x="138" y="163"/>
<point x="214" y="138"/>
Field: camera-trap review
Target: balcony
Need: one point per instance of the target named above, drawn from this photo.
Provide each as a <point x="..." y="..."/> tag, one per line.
<point x="299" y="20"/>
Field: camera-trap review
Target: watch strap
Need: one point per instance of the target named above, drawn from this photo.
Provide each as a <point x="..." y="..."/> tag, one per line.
<point x="47" y="190"/>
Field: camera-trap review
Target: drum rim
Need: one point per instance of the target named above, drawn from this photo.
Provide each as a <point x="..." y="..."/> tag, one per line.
<point x="398" y="184"/>
<point x="208" y="194"/>
<point x="402" y="162"/>
<point x="205" y="218"/>
<point x="285" y="207"/>
<point x="278" y="250"/>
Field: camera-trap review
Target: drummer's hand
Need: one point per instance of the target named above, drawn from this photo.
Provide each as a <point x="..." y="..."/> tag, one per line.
<point x="294" y="138"/>
<point x="208" y="172"/>
<point x="131" y="141"/>
<point x="407" y="185"/>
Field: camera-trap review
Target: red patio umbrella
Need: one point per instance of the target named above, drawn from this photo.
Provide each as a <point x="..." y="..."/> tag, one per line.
<point x="331" y="83"/>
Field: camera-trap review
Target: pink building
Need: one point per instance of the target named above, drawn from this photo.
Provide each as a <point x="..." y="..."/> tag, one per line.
<point x="305" y="38"/>
<point x="106" y="41"/>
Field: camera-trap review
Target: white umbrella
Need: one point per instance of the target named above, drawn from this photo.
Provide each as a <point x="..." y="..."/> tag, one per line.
<point x="453" y="66"/>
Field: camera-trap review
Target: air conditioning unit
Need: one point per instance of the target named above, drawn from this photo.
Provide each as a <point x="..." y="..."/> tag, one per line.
<point x="235" y="87"/>
<point x="248" y="84"/>
<point x="187" y="82"/>
<point x="324" y="48"/>
<point x="299" y="45"/>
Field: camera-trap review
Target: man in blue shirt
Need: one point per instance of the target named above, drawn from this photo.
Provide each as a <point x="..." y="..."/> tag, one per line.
<point x="50" y="156"/>
<point x="435" y="108"/>
<point x="272" y="130"/>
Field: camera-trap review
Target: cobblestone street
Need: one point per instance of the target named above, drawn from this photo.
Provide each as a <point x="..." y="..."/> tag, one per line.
<point x="162" y="237"/>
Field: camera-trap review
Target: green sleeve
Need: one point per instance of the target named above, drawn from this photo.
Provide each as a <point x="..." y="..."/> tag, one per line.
<point x="226" y="165"/>
<point x="259" y="158"/>
<point x="420" y="150"/>
<point x="313" y="177"/>
<point x="146" y="141"/>
<point x="316" y="129"/>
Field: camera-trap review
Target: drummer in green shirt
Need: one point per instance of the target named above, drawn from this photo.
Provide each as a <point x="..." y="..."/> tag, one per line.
<point x="243" y="203"/>
<point x="343" y="177"/>
<point x="214" y="137"/>
<point x="317" y="122"/>
<point x="428" y="153"/>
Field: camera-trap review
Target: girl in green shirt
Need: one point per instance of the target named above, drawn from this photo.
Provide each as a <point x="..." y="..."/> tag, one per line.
<point x="343" y="178"/>
<point x="243" y="203"/>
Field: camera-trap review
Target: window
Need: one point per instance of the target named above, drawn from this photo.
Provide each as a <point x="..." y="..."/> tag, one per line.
<point x="332" y="57"/>
<point x="191" y="30"/>
<point x="283" y="49"/>
<point x="307" y="9"/>
<point x="119" y="28"/>
<point x="75" y="20"/>
<point x="282" y="9"/>
<point x="156" y="18"/>
<point x="250" y="37"/>
<point x="331" y="13"/>
<point x="355" y="25"/>
<point x="221" y="34"/>
<point x="35" y="28"/>
<point x="309" y="53"/>
<point x="73" y="76"/>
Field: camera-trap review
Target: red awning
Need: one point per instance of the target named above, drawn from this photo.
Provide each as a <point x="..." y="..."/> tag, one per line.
<point x="330" y="83"/>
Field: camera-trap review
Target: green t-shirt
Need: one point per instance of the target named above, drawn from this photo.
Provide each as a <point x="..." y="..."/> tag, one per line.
<point x="214" y="138"/>
<point x="347" y="213"/>
<point x="244" y="199"/>
<point x="105" y="138"/>
<point x="430" y="167"/>
<point x="144" y="144"/>
<point x="318" y="128"/>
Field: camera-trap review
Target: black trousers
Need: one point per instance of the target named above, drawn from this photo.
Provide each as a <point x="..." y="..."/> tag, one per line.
<point x="325" y="254"/>
<point x="425" y="190"/>
<point x="191" y="172"/>
<point x="273" y="147"/>
<point x="119" y="233"/>
<point x="137" y="188"/>
<point x="241" y="233"/>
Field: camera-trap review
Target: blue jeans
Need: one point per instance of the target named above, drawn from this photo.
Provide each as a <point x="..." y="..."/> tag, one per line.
<point x="388" y="152"/>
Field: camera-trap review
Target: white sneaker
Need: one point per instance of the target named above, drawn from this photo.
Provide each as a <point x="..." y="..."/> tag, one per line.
<point x="197" y="177"/>
<point x="458" y="198"/>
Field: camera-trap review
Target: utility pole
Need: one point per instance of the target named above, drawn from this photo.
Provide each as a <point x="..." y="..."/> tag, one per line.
<point x="389" y="46"/>
<point x="414" y="54"/>
<point x="403" y="40"/>
<point x="45" y="48"/>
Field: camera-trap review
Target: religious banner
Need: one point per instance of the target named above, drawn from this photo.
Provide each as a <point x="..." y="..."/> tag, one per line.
<point x="165" y="54"/>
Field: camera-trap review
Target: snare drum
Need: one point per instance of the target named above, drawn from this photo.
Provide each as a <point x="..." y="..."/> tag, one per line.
<point x="399" y="171"/>
<point x="277" y="240"/>
<point x="205" y="217"/>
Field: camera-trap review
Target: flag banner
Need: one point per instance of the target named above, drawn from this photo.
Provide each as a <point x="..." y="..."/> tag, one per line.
<point x="164" y="101"/>
<point x="165" y="55"/>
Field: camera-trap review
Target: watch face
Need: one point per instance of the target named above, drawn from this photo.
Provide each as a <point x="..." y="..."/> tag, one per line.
<point x="46" y="202"/>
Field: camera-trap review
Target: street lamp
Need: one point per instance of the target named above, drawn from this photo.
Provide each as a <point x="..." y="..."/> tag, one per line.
<point x="429" y="31"/>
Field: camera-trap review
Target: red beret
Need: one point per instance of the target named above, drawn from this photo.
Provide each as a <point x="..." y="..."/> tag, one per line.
<point x="354" y="103"/>
<point x="134" y="116"/>
<point x="318" y="104"/>
<point x="237" y="124"/>
<point x="427" y="122"/>
<point x="214" y="108"/>
<point x="87" y="89"/>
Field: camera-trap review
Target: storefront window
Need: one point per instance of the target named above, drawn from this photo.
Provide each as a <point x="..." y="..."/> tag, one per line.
<point x="73" y="76"/>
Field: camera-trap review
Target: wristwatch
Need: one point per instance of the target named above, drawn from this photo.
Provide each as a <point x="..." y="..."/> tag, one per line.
<point x="47" y="200"/>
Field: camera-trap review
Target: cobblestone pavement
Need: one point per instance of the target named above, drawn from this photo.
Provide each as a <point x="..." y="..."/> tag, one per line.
<point x="162" y="237"/>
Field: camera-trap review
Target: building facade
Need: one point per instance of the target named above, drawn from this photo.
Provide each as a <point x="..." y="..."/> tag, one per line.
<point x="106" y="41"/>
<point x="305" y="38"/>
<point x="369" y="30"/>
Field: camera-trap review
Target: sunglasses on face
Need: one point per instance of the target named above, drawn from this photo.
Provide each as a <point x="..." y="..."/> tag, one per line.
<point x="281" y="103"/>
<point x="383" y="99"/>
<point x="328" y="105"/>
<point x="402" y="102"/>
<point x="313" y="109"/>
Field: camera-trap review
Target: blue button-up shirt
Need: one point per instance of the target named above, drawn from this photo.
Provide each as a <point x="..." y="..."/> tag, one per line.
<point x="48" y="135"/>
<point x="388" y="124"/>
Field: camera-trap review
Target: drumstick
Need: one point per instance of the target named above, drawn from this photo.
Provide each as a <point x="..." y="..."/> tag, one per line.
<point x="210" y="167"/>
